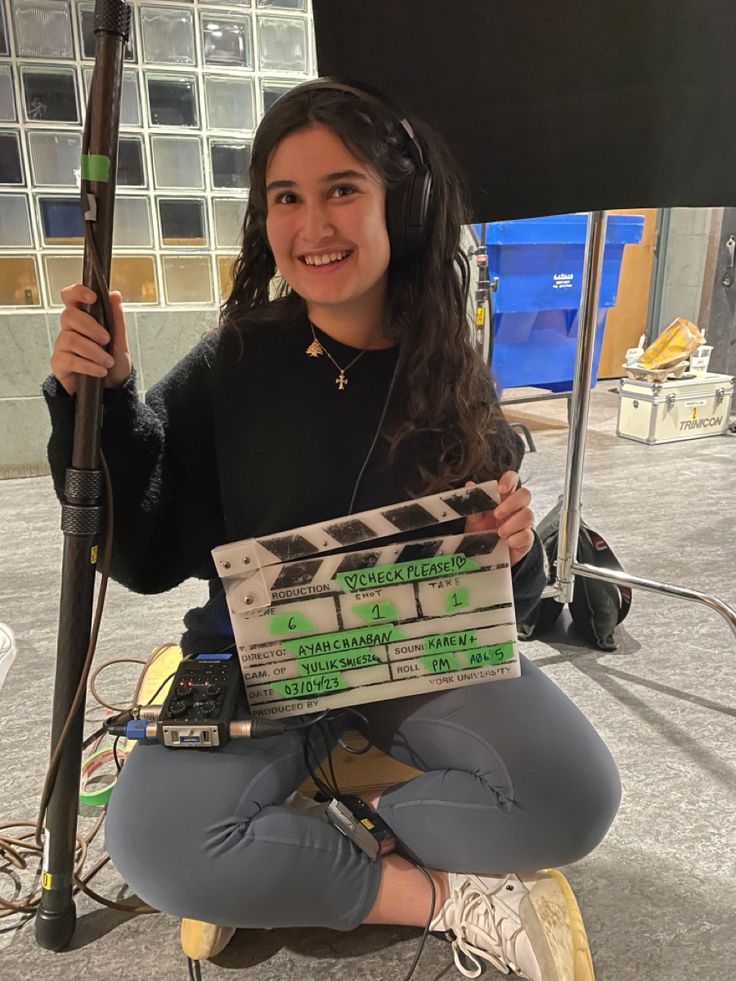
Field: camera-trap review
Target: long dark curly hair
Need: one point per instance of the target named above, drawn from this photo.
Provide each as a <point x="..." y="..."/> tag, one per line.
<point x="444" y="397"/>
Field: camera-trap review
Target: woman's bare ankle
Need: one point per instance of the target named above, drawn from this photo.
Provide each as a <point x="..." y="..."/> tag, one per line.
<point x="441" y="889"/>
<point x="404" y="894"/>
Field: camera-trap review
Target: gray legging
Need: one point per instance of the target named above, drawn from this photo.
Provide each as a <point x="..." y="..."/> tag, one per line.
<point x="515" y="779"/>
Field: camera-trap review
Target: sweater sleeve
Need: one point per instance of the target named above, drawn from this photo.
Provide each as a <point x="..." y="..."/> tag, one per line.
<point x="161" y="457"/>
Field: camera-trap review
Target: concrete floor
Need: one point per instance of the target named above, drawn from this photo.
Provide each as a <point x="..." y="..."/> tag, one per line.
<point x="658" y="896"/>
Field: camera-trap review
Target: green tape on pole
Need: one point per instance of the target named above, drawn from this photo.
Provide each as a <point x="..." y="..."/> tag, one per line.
<point x="95" y="167"/>
<point x="403" y="572"/>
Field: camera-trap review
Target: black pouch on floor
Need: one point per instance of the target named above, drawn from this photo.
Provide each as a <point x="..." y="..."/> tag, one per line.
<point x="596" y="607"/>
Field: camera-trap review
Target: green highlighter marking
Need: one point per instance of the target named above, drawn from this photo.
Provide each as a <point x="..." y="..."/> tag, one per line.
<point x="458" y="640"/>
<point x="325" y="663"/>
<point x="405" y="572"/>
<point x="459" y="659"/>
<point x="345" y="641"/>
<point x="375" y="612"/>
<point x="458" y="599"/>
<point x="440" y="663"/>
<point x="289" y="623"/>
<point x="320" y="684"/>
<point x="495" y="654"/>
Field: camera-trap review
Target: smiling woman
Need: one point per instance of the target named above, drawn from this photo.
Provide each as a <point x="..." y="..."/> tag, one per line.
<point x="354" y="386"/>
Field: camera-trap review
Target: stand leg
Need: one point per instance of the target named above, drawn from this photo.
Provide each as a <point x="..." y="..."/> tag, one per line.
<point x="580" y="403"/>
<point x="678" y="592"/>
<point x="526" y="434"/>
<point x="567" y="566"/>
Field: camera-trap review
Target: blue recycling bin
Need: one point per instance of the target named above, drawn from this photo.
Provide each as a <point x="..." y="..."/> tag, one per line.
<point x="539" y="265"/>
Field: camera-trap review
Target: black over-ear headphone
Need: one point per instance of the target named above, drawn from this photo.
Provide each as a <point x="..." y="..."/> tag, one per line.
<point x="407" y="204"/>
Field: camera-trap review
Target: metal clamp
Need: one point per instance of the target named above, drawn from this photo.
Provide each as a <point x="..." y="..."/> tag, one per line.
<point x="670" y="400"/>
<point x="728" y="276"/>
<point x="720" y="395"/>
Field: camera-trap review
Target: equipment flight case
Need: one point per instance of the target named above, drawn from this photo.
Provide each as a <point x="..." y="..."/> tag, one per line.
<point x="663" y="412"/>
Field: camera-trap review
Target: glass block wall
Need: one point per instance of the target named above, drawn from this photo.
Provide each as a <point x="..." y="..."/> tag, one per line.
<point x="198" y="76"/>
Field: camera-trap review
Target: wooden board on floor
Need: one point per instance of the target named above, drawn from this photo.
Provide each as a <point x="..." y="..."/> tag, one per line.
<point x="363" y="774"/>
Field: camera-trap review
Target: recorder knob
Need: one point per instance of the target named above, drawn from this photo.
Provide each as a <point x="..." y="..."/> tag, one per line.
<point x="206" y="709"/>
<point x="177" y="708"/>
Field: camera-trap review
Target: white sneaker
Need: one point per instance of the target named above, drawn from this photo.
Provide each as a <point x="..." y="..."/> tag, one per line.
<point x="529" y="924"/>
<point x="8" y="651"/>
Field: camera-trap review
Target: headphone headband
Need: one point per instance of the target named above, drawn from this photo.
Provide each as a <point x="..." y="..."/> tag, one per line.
<point x="368" y="94"/>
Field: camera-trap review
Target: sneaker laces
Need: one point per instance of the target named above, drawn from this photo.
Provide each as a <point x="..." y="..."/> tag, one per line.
<point x="475" y="921"/>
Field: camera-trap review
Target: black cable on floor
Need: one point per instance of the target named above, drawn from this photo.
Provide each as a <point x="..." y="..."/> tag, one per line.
<point x="428" y="877"/>
<point x="333" y="791"/>
<point x="329" y="751"/>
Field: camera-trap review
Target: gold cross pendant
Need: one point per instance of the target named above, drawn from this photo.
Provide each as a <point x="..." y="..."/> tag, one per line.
<point x="315" y="349"/>
<point x="341" y="381"/>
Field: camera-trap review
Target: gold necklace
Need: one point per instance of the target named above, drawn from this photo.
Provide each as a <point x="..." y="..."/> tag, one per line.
<point x="316" y="349"/>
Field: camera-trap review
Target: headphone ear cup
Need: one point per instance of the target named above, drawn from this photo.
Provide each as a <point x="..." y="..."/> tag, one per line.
<point x="406" y="215"/>
<point x="395" y="224"/>
<point x="417" y="220"/>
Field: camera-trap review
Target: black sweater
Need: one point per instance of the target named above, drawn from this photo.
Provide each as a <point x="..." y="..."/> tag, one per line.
<point x="244" y="437"/>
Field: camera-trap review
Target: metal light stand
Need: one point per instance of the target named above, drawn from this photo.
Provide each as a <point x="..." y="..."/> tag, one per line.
<point x="483" y="338"/>
<point x="567" y="565"/>
<point x="483" y="303"/>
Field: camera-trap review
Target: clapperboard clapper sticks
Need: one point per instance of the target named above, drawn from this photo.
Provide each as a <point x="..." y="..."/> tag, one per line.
<point x="318" y="631"/>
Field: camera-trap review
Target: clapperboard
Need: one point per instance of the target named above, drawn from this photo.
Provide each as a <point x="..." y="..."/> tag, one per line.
<point x="317" y="631"/>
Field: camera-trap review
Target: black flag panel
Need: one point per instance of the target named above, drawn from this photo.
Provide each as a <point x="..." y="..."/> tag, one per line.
<point x="553" y="106"/>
